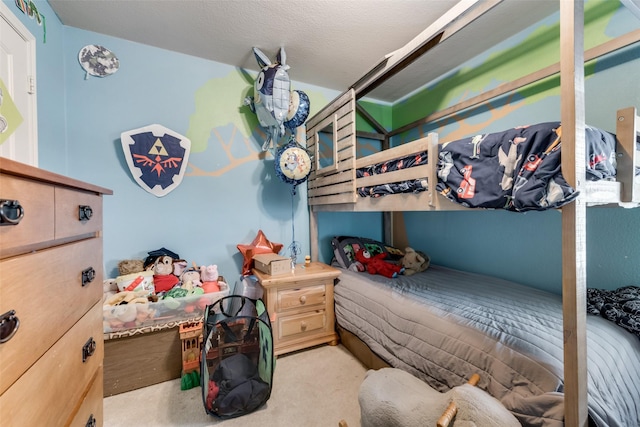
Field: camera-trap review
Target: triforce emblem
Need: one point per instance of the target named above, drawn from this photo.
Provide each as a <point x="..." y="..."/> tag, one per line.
<point x="157" y="157"/>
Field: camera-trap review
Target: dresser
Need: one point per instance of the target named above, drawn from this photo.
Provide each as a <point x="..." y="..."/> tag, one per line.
<point x="300" y="305"/>
<point x="51" y="274"/>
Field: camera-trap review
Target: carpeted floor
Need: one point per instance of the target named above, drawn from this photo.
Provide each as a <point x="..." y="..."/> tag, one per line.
<point x="312" y="388"/>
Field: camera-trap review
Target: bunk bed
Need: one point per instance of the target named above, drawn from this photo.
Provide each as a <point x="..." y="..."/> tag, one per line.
<point x="339" y="181"/>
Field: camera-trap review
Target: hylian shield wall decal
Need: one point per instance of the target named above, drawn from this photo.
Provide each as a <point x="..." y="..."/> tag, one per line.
<point x="157" y="157"/>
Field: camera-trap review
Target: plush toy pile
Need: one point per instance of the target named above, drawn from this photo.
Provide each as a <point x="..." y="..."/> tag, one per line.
<point x="162" y="286"/>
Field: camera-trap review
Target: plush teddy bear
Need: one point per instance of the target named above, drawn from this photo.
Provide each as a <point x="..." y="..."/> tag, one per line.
<point x="209" y="278"/>
<point x="375" y="264"/>
<point x="414" y="261"/>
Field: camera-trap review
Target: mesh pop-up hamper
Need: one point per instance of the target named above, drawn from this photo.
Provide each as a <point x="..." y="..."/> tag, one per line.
<point x="237" y="360"/>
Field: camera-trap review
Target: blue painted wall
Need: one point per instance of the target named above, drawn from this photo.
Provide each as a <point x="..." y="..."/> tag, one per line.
<point x="230" y="191"/>
<point x="527" y="247"/>
<point x="218" y="205"/>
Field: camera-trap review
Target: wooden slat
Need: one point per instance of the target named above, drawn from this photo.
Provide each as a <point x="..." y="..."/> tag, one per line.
<point x="370" y="135"/>
<point x="340" y="188"/>
<point x="572" y="112"/>
<point x="342" y="99"/>
<point x="402" y="150"/>
<point x="415" y="172"/>
<point x="341" y="176"/>
<point x="344" y="198"/>
<point x="626" y="132"/>
<point x="391" y="203"/>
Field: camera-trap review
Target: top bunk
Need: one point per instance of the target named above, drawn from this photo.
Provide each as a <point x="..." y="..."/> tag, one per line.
<point x="340" y="181"/>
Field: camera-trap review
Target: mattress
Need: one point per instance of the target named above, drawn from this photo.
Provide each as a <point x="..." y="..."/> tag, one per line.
<point x="443" y="325"/>
<point x="516" y="169"/>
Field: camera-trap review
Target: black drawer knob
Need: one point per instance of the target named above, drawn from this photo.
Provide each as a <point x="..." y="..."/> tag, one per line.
<point x="84" y="212"/>
<point x="11" y="212"/>
<point x="88" y="276"/>
<point x="91" y="422"/>
<point x="88" y="349"/>
<point x="9" y="324"/>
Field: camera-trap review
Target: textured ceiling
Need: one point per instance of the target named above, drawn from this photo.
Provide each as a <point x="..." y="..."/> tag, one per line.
<point x="329" y="43"/>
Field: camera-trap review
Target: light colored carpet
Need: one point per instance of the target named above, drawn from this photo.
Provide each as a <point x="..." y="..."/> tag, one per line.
<point x="312" y="388"/>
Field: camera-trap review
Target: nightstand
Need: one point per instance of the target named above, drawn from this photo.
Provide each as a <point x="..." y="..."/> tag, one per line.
<point x="300" y="305"/>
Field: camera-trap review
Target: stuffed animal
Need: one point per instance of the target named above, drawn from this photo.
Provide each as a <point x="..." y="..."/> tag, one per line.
<point x="375" y="264"/>
<point x="414" y="261"/>
<point x="109" y="289"/>
<point x="190" y="279"/>
<point x="163" y="277"/>
<point x="209" y="278"/>
<point x="130" y="266"/>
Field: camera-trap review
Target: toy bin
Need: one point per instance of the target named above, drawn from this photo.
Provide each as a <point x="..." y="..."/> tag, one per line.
<point x="141" y="315"/>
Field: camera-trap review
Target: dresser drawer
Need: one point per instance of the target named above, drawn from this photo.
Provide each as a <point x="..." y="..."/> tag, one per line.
<point x="289" y="299"/>
<point x="301" y="324"/>
<point x="45" y="290"/>
<point x="68" y="219"/>
<point x="50" y="392"/>
<point x="37" y="201"/>
<point x="91" y="407"/>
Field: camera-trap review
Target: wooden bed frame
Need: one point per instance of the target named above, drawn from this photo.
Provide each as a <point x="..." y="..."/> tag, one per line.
<point x="337" y="190"/>
<point x="334" y="188"/>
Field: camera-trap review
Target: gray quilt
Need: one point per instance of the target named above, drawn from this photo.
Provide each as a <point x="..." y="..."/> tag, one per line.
<point x="443" y="325"/>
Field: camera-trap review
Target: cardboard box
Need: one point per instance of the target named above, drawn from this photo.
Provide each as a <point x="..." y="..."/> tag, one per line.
<point x="272" y="264"/>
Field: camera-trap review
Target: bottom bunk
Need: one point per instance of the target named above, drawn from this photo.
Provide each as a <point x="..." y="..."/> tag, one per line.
<point x="443" y="325"/>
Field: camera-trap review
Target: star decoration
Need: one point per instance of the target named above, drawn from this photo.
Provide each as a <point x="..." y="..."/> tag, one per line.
<point x="260" y="245"/>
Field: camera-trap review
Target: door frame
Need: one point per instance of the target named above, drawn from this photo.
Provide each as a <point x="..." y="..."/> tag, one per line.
<point x="30" y="116"/>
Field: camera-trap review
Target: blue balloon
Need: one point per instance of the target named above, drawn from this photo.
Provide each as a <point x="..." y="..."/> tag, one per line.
<point x="298" y="110"/>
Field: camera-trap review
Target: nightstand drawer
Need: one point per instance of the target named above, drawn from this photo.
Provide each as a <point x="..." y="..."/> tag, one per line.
<point x="289" y="299"/>
<point x="300" y="305"/>
<point x="301" y="324"/>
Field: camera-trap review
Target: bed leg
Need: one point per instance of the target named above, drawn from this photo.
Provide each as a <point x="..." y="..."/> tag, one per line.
<point x="343" y="423"/>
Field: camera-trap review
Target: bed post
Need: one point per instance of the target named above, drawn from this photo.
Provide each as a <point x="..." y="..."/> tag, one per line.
<point x="398" y="235"/>
<point x="313" y="234"/>
<point x="574" y="214"/>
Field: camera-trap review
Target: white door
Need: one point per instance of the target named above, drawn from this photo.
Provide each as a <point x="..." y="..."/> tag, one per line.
<point x="18" y="106"/>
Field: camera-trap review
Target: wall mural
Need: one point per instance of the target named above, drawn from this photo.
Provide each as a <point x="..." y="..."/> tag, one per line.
<point x="232" y="135"/>
<point x="538" y="44"/>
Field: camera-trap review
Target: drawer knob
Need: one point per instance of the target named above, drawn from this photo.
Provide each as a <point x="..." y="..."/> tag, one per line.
<point x="91" y="422"/>
<point x="303" y="299"/>
<point x="84" y="212"/>
<point x="9" y="324"/>
<point x="303" y="326"/>
<point x="88" y="276"/>
<point x="88" y="349"/>
<point x="11" y="212"/>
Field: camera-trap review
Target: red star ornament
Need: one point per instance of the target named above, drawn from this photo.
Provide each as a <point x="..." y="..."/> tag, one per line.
<point x="260" y="245"/>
